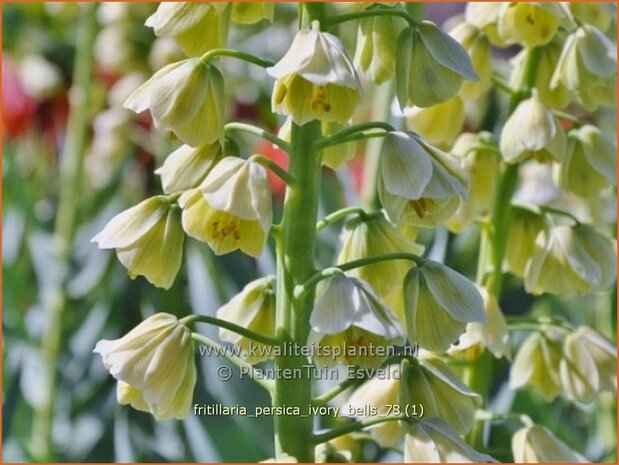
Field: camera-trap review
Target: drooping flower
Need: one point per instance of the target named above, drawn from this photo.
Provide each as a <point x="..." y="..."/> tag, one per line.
<point x="477" y="45"/>
<point x="524" y="228"/>
<point x="187" y="167"/>
<point x="315" y="79"/>
<point x="253" y="308"/>
<point x="187" y="98"/>
<point x="231" y="209"/>
<point x="349" y="315"/>
<point x="536" y="444"/>
<point x="148" y="239"/>
<point x="596" y="14"/>
<point x="530" y="24"/>
<point x="485" y="16"/>
<point x="197" y="27"/>
<point x="439" y="124"/>
<point x="252" y="12"/>
<point x="432" y="67"/>
<point x="375" y="53"/>
<point x="154" y="365"/>
<point x="439" y="303"/>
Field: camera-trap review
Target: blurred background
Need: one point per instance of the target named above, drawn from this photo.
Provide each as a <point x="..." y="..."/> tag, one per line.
<point x="72" y="158"/>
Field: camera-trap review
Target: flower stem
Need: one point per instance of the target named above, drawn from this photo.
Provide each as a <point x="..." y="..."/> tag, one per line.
<point x="248" y="333"/>
<point x="334" y="139"/>
<point x="275" y="168"/>
<point x="340" y="215"/>
<point x="263" y="133"/>
<point x="355" y="426"/>
<point x="335" y="20"/>
<point x="336" y="391"/>
<point x="228" y="52"/>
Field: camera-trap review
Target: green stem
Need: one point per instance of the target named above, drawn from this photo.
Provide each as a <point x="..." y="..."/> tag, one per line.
<point x="228" y="52"/>
<point x="336" y="391"/>
<point x="567" y="117"/>
<point x="340" y="215"/>
<point x="70" y="183"/>
<point x="263" y="133"/>
<point x="248" y="333"/>
<point x="501" y="84"/>
<point x="355" y="426"/>
<point x="275" y="168"/>
<point x="334" y="20"/>
<point x="334" y="138"/>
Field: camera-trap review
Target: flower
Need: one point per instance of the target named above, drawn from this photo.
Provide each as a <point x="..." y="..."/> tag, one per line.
<point x="40" y="78"/>
<point x="376" y="46"/>
<point x="196" y="27"/>
<point x="584" y="258"/>
<point x="148" y="239"/>
<point x="186" y="167"/>
<point x="347" y="314"/>
<point x="439" y="303"/>
<point x="529" y="24"/>
<point x="187" y="98"/>
<point x="283" y="458"/>
<point x="595" y="14"/>
<point x="439" y="124"/>
<point x="537" y="363"/>
<point x="588" y="365"/>
<point x="154" y="366"/>
<point x="342" y="449"/>
<point x="252" y="12"/>
<point x="532" y="131"/>
<point x="432" y="68"/>
<point x="433" y="441"/>
<point x="231" y="209"/>
<point x="587" y="67"/>
<point x="591" y="163"/>
<point x="315" y="79"/>
<point x="525" y="226"/>
<point x="253" y="308"/>
<point x="418" y="184"/>
<point x="477" y="45"/>
<point x="535" y="444"/>
<point x="443" y="395"/>
<point x="372" y="236"/>
<point x="477" y="337"/>
<point x="485" y="15"/>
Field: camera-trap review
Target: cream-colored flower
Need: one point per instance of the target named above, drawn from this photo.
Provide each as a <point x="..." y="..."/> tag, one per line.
<point x="485" y="16"/>
<point x="187" y="167"/>
<point x="315" y="79"/>
<point x="148" y="239"/>
<point x="39" y="77"/>
<point x="439" y="124"/>
<point x="252" y="12"/>
<point x="185" y="97"/>
<point x="197" y="27"/>
<point x="525" y="226"/>
<point x="477" y="45"/>
<point x="154" y="366"/>
<point x="253" y="308"/>
<point x="536" y="444"/>
<point x="530" y="23"/>
<point x="231" y="209"/>
<point x="375" y="53"/>
<point x="597" y="14"/>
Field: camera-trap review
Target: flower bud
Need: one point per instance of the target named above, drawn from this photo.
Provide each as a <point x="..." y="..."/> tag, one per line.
<point x="252" y="12"/>
<point x="536" y="444"/>
<point x="154" y="366"/>
<point x="439" y="303"/>
<point x="477" y="45"/>
<point x="590" y="166"/>
<point x="315" y="79"/>
<point x="185" y="97"/>
<point x="432" y="68"/>
<point x="532" y="131"/>
<point x="231" y="209"/>
<point x="529" y="24"/>
<point x="588" y="68"/>
<point x="596" y="14"/>
<point x="537" y="363"/>
<point x="196" y="27"/>
<point x="374" y="236"/>
<point x="524" y="229"/>
<point x="187" y="167"/>
<point x="433" y="441"/>
<point x="439" y="124"/>
<point x="347" y="314"/>
<point x="148" y="239"/>
<point x="376" y="46"/>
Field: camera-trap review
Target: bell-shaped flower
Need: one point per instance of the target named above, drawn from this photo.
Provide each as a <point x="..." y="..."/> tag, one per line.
<point x="588" y="68"/>
<point x="439" y="303"/>
<point x="231" y="209"/>
<point x="417" y="184"/>
<point x="378" y="394"/>
<point x="443" y="395"/>
<point x="537" y="363"/>
<point x="584" y="258"/>
<point x="537" y="444"/>
<point x="348" y="314"/>
<point x="588" y="366"/>
<point x="485" y="16"/>
<point x="197" y="27"/>
<point x="148" y="239"/>
<point x="186" y="98"/>
<point x="433" y="441"/>
<point x="154" y="365"/>
<point x="439" y="124"/>
<point x="372" y="236"/>
<point x="525" y="226"/>
<point x="532" y="132"/>
<point x="477" y="337"/>
<point x="431" y="68"/>
<point x="548" y="57"/>
<point x="186" y="167"/>
<point x="253" y="308"/>
<point x="375" y="53"/>
<point x="315" y="79"/>
<point x="530" y="24"/>
<point x="590" y="166"/>
<point x="477" y="45"/>
<point x="596" y="14"/>
<point x="252" y="12"/>
<point x="343" y="449"/>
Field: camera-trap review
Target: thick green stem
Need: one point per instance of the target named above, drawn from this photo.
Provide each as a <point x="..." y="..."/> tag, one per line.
<point x="70" y="178"/>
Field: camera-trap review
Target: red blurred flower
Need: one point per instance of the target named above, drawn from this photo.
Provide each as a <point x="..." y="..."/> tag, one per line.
<point x="18" y="108"/>
<point x="278" y="187"/>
